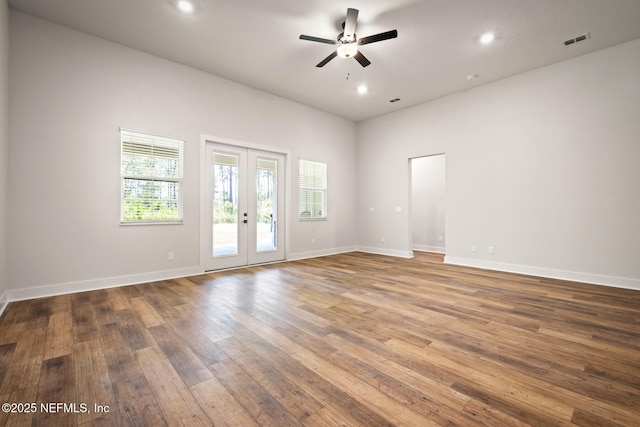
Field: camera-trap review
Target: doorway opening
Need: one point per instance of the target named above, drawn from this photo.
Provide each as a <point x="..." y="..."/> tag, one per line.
<point x="428" y="204"/>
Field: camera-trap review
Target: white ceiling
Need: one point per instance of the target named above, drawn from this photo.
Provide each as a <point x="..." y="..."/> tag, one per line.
<point x="255" y="42"/>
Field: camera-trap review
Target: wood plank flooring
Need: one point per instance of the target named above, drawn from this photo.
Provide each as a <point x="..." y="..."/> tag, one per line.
<point x="346" y="340"/>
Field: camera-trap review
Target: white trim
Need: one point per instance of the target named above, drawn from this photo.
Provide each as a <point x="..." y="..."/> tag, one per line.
<point x="95" y="284"/>
<point x="202" y="201"/>
<point x="388" y="252"/>
<point x="3" y="302"/>
<point x="242" y="144"/>
<point x="426" y="248"/>
<point x="147" y="132"/>
<point x="129" y="223"/>
<point x="134" y="279"/>
<point x="319" y="253"/>
<point x="596" y="279"/>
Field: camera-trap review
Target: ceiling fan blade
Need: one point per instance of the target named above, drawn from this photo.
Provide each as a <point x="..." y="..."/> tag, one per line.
<point x="327" y="59"/>
<point x="350" y="23"/>
<point x="361" y="59"/>
<point x="378" y="37"/>
<point x="317" y="39"/>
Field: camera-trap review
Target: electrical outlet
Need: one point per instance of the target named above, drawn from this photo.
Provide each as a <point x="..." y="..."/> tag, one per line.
<point x="313" y="241"/>
<point x="491" y="250"/>
<point x="473" y="248"/>
<point x="170" y="256"/>
<point x="383" y="240"/>
<point x="440" y="239"/>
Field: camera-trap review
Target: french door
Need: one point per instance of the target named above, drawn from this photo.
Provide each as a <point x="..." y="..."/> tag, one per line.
<point x="245" y="203"/>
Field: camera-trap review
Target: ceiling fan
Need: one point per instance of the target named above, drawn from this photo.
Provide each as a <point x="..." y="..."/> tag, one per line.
<point x="347" y="41"/>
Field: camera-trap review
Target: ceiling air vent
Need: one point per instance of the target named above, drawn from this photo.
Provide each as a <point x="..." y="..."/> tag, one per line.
<point x="394" y="100"/>
<point x="577" y="39"/>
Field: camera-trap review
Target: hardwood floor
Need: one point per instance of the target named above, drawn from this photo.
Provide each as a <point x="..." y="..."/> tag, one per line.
<point x="346" y="340"/>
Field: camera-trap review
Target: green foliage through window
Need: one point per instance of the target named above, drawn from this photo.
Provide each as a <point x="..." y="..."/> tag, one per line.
<point x="151" y="171"/>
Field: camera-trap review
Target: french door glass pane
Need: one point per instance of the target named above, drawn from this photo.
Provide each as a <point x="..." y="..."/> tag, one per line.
<point x="225" y="204"/>
<point x="266" y="186"/>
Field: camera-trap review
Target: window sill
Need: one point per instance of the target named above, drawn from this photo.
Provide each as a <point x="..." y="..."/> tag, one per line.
<point x="127" y="223"/>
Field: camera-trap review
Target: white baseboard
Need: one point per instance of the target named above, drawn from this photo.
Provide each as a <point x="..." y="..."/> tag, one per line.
<point x="596" y="279"/>
<point x="110" y="282"/>
<point x="427" y="248"/>
<point x="388" y="252"/>
<point x="94" y="284"/>
<point x="324" y="252"/>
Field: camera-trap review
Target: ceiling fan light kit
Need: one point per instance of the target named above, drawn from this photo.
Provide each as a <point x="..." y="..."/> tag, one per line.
<point x="347" y="50"/>
<point x="347" y="41"/>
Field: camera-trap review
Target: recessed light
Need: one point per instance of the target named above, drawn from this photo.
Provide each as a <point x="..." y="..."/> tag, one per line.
<point x="185" y="6"/>
<point x="487" y="38"/>
<point x="362" y="89"/>
<point x="473" y="76"/>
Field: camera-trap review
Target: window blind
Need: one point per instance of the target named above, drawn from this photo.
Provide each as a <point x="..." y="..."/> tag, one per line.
<point x="152" y="169"/>
<point x="313" y="189"/>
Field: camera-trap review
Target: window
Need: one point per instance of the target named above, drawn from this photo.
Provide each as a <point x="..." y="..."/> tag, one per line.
<point x="151" y="172"/>
<point x="313" y="190"/>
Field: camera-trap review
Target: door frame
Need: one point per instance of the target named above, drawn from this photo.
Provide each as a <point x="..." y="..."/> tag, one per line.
<point x="411" y="207"/>
<point x="210" y="139"/>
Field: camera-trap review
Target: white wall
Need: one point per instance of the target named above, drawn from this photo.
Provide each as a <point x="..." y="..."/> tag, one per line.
<point x="70" y="93"/>
<point x="542" y="166"/>
<point x="4" y="148"/>
<point x="428" y="203"/>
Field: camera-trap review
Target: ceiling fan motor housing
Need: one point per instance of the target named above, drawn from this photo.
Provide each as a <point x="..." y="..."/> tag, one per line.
<point x="343" y="39"/>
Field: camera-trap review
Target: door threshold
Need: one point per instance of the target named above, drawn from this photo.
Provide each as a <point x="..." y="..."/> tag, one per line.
<point x="245" y="266"/>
